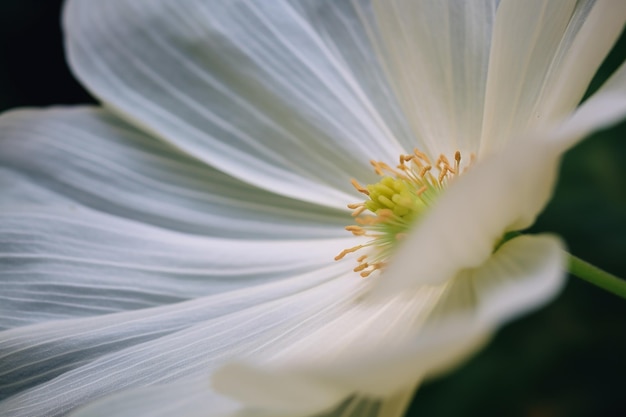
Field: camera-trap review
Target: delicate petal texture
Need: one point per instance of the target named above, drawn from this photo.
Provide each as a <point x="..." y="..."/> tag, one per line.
<point x="249" y="87"/>
<point x="55" y="366"/>
<point x="523" y="274"/>
<point x="526" y="37"/>
<point x="604" y="108"/>
<point x="188" y="398"/>
<point x="499" y="194"/>
<point x="437" y="54"/>
<point x="146" y="256"/>
<point x="345" y="27"/>
<point x="377" y="361"/>
<point x="543" y="56"/>
<point x="592" y="31"/>
<point x="88" y="157"/>
<point x="77" y="263"/>
<point x="194" y="398"/>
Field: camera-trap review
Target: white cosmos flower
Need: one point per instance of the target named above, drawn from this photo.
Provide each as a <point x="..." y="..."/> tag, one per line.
<point x="181" y="238"/>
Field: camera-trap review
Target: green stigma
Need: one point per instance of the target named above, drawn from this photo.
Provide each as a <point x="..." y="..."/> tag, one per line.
<point x="394" y="204"/>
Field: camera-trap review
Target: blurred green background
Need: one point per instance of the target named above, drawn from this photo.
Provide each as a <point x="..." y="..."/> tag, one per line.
<point x="566" y="360"/>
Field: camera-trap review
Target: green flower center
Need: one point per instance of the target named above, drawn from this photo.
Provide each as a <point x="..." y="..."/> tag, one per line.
<point x="395" y="203"/>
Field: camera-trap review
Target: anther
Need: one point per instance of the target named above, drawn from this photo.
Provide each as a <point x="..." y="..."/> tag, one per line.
<point x="444" y="172"/>
<point x="347" y="251"/>
<point x="359" y="187"/>
<point x="399" y="198"/>
<point x="356" y="230"/>
<point x="358" y="211"/>
<point x="421" y="156"/>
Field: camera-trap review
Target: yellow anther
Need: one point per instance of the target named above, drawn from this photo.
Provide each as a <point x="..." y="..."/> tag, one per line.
<point x="361" y="267"/>
<point x="422" y="156"/>
<point x="425" y="170"/>
<point x="384" y="214"/>
<point x="347" y="251"/>
<point x="358" y="211"/>
<point x="359" y="187"/>
<point x="356" y="230"/>
<point x="366" y="220"/>
<point x="444" y="172"/>
<point x="385" y="201"/>
<point x="395" y="202"/>
<point x="402" y="200"/>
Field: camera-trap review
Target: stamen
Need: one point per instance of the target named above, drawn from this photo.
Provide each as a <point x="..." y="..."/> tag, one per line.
<point x="347" y="251"/>
<point x="395" y="202"/>
<point x="359" y="187"/>
<point x="356" y="230"/>
<point x="422" y="156"/>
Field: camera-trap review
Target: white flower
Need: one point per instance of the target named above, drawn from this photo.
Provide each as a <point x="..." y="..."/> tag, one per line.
<point x="191" y="222"/>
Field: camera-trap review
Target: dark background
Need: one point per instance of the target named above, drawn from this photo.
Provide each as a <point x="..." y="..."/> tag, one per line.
<point x="569" y="359"/>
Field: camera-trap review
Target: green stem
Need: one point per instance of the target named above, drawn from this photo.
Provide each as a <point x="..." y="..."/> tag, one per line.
<point x="596" y="276"/>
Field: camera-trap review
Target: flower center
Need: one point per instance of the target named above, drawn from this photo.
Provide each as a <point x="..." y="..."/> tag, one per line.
<point x="395" y="203"/>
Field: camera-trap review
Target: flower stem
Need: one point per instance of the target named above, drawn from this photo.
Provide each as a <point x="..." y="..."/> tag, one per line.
<point x="594" y="275"/>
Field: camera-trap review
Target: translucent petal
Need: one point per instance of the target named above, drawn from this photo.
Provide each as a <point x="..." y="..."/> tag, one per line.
<point x="55" y="366"/>
<point x="498" y="194"/>
<point x="86" y="156"/>
<point x="437" y="53"/>
<point x="255" y="89"/>
<point x="382" y="350"/>
<point x="78" y="263"/>
<point x="193" y="398"/>
<point x="604" y="108"/>
<point x="592" y="31"/>
<point x="543" y="57"/>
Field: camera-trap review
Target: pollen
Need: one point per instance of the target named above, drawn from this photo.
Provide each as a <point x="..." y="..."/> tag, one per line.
<point x="393" y="204"/>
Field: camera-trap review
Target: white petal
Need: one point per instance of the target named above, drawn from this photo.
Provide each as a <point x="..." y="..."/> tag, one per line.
<point x="437" y="54"/>
<point x="604" y="108"/>
<point x="345" y="29"/>
<point x="53" y="367"/>
<point x="522" y="275"/>
<point x="543" y="56"/>
<point x="592" y="31"/>
<point x="77" y="263"/>
<point x="87" y="156"/>
<point x="188" y="398"/>
<point x="499" y="194"/>
<point x="249" y="87"/>
<point x="193" y="398"/>
<point x="284" y="394"/>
